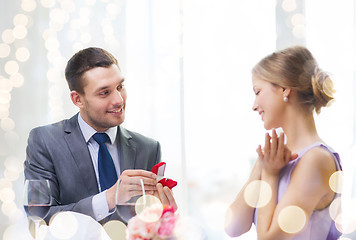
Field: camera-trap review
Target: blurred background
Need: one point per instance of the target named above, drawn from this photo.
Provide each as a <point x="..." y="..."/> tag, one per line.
<point x="187" y="66"/>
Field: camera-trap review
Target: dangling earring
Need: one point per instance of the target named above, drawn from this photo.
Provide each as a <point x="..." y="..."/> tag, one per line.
<point x="285" y="99"/>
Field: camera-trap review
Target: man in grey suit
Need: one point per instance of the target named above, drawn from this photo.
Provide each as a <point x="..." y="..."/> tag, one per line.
<point x="66" y="152"/>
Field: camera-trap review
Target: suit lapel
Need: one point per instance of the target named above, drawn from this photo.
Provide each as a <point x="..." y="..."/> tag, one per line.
<point x="127" y="150"/>
<point x="81" y="154"/>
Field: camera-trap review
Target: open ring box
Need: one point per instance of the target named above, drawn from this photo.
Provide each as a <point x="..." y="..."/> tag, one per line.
<point x="159" y="169"/>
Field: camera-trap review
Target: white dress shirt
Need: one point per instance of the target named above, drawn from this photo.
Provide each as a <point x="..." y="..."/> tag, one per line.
<point x="99" y="203"/>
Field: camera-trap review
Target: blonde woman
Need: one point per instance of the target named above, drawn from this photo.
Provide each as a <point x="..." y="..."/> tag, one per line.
<point x="289" y="86"/>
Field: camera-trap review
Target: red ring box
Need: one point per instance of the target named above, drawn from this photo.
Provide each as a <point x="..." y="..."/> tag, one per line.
<point x="159" y="169"/>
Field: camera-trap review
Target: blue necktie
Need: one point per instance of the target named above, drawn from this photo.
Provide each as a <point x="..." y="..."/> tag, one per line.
<point x="106" y="167"/>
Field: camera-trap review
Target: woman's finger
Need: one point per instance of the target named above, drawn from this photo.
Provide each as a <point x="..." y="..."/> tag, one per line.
<point x="280" y="150"/>
<point x="266" y="149"/>
<point x="274" y="143"/>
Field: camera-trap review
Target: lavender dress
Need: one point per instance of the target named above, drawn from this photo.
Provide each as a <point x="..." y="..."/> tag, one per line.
<point x="320" y="226"/>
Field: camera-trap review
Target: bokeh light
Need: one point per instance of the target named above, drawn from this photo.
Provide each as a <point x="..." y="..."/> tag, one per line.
<point x="9" y="208"/>
<point x="149" y="208"/>
<point x="5" y="97"/>
<point x="22" y="54"/>
<point x="115" y="229"/>
<point x="289" y="5"/>
<point x="12" y="232"/>
<point x="20" y="19"/>
<point x="298" y="19"/>
<point x="8" y="36"/>
<point x="28" y="5"/>
<point x="257" y="193"/>
<point x="4" y="50"/>
<point x="63" y="225"/>
<point x="291" y="219"/>
<point x="7" y="124"/>
<point x="17" y="80"/>
<point x="20" y="32"/>
<point x="48" y="3"/>
<point x="335" y="208"/>
<point x="299" y="31"/>
<point x="5" y="84"/>
<point x="7" y="195"/>
<point x="11" y="67"/>
<point x="336" y="181"/>
<point x="345" y="220"/>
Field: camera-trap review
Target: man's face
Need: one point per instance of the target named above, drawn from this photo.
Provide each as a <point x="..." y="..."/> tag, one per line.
<point x="102" y="105"/>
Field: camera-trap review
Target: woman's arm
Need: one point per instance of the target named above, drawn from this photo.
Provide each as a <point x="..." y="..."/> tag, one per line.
<point x="239" y="216"/>
<point x="308" y="187"/>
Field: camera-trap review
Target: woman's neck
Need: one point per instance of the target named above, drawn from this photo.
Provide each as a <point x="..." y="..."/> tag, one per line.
<point x="300" y="130"/>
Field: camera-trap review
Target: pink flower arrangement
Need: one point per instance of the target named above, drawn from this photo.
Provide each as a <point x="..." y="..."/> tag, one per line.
<point x="161" y="229"/>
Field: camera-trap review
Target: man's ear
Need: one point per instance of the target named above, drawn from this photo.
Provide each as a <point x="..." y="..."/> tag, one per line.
<point x="76" y="98"/>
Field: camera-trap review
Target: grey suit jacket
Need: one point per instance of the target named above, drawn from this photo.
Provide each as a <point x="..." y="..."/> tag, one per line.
<point x="59" y="153"/>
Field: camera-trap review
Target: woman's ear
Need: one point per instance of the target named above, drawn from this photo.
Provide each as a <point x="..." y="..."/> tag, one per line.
<point x="286" y="92"/>
<point x="76" y="98"/>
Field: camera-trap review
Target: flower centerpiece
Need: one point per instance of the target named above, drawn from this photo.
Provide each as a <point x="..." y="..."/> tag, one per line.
<point x="161" y="228"/>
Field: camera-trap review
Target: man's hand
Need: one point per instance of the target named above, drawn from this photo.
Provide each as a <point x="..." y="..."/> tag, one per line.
<point x="130" y="186"/>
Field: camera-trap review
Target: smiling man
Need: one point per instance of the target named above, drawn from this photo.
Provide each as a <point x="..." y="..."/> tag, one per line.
<point x="84" y="156"/>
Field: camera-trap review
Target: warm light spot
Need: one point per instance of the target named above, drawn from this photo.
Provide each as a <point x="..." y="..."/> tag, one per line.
<point x="14" y="164"/>
<point x="59" y="16"/>
<point x="7" y="195"/>
<point x="4" y="113"/>
<point x="17" y="80"/>
<point x="63" y="225"/>
<point x="12" y="232"/>
<point x="257" y="193"/>
<point x="291" y="219"/>
<point x="5" y="85"/>
<point x="11" y="67"/>
<point x="336" y="181"/>
<point x="9" y="208"/>
<point x="7" y="124"/>
<point x="148" y="208"/>
<point x="13" y="138"/>
<point x="28" y="5"/>
<point x="5" y="97"/>
<point x="49" y="33"/>
<point x="299" y="31"/>
<point x="4" y="50"/>
<point x="52" y="43"/>
<point x="8" y="36"/>
<point x="11" y="174"/>
<point x="345" y="222"/>
<point x="22" y="54"/>
<point x="335" y="208"/>
<point x="115" y="229"/>
<point x="20" y="19"/>
<point x="5" y="183"/>
<point x="20" y="32"/>
<point x="48" y="3"/>
<point x="289" y="5"/>
<point x="298" y="19"/>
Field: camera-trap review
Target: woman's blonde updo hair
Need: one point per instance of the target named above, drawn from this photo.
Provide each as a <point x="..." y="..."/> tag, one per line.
<point x="297" y="69"/>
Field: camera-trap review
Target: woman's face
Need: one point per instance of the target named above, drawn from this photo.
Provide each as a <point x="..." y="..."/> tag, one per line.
<point x="268" y="102"/>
